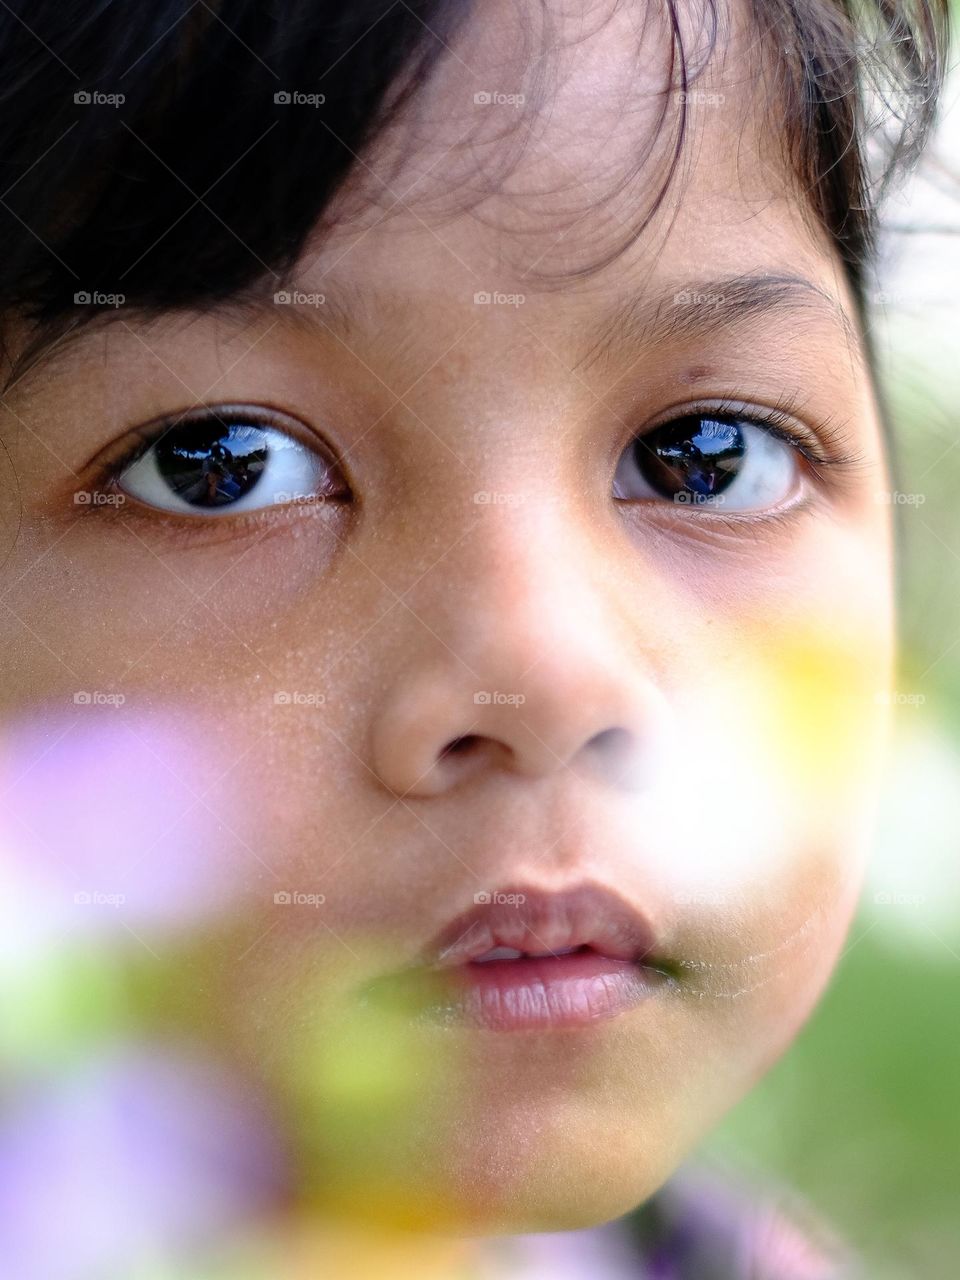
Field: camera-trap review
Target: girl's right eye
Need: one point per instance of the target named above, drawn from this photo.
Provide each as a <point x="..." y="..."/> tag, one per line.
<point x="710" y="459"/>
<point x="226" y="465"/>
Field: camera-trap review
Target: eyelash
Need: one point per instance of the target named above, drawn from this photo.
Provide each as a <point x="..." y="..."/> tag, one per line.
<point x="825" y="451"/>
<point x="108" y="468"/>
<point x="123" y="456"/>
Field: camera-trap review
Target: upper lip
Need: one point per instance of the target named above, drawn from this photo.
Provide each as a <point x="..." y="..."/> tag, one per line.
<point x="541" y="922"/>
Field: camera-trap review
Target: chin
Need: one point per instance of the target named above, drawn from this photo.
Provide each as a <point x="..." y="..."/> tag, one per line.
<point x="568" y="1201"/>
<point x="536" y="1172"/>
<point x="562" y="1201"/>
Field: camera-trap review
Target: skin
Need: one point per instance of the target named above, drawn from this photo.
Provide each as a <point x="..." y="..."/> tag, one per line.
<point x="738" y="656"/>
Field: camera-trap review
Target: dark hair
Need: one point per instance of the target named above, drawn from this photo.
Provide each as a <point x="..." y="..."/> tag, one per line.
<point x="200" y="183"/>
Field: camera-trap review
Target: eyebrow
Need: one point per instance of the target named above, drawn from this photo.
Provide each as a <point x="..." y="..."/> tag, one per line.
<point x="705" y="307"/>
<point x="685" y="309"/>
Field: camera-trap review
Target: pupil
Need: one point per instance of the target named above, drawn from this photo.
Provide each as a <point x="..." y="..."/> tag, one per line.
<point x="696" y="456"/>
<point x="210" y="464"/>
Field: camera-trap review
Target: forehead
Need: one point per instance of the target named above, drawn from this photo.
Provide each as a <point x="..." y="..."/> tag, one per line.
<point x="555" y="149"/>
<point x="597" y="160"/>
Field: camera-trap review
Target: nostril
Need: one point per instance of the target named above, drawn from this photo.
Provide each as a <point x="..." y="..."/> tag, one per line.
<point x="612" y="742"/>
<point x="616" y="756"/>
<point x="460" y="746"/>
<point x="471" y="754"/>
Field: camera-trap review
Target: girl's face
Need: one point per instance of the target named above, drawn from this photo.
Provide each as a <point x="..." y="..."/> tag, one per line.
<point x="413" y="643"/>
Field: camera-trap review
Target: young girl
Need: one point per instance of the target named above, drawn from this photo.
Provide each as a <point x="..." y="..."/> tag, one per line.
<point x="447" y="612"/>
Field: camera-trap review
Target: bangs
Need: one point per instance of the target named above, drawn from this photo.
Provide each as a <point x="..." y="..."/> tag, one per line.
<point x="164" y="151"/>
<point x="178" y="153"/>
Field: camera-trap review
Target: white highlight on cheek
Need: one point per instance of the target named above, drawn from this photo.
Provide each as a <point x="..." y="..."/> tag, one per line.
<point x="715" y="808"/>
<point x="757" y="811"/>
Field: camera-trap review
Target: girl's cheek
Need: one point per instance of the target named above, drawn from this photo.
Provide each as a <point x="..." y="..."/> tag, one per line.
<point x="766" y="874"/>
<point x="114" y="598"/>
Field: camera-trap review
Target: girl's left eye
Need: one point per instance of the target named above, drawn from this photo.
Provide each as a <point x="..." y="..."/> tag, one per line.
<point x="702" y="460"/>
<point x="219" y="466"/>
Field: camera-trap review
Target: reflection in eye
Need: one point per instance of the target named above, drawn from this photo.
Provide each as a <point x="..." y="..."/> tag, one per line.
<point x="711" y="461"/>
<point x="224" y="466"/>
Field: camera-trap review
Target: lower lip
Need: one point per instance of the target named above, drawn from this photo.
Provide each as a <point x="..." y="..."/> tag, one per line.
<point x="538" y="993"/>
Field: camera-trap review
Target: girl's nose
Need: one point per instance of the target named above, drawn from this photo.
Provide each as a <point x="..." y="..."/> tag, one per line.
<point x="534" y="671"/>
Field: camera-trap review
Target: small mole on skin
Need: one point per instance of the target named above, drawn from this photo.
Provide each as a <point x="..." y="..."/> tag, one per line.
<point x="697" y="373"/>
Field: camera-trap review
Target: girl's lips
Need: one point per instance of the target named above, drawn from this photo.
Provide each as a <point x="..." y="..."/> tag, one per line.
<point x="524" y="959"/>
<point x="544" y="922"/>
<point x="540" y="992"/>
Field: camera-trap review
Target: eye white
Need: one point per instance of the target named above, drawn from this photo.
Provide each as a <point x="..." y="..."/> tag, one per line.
<point x="766" y="477"/>
<point x="291" y="473"/>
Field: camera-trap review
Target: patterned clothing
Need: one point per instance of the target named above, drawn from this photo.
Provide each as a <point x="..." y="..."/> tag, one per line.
<point x="705" y="1224"/>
